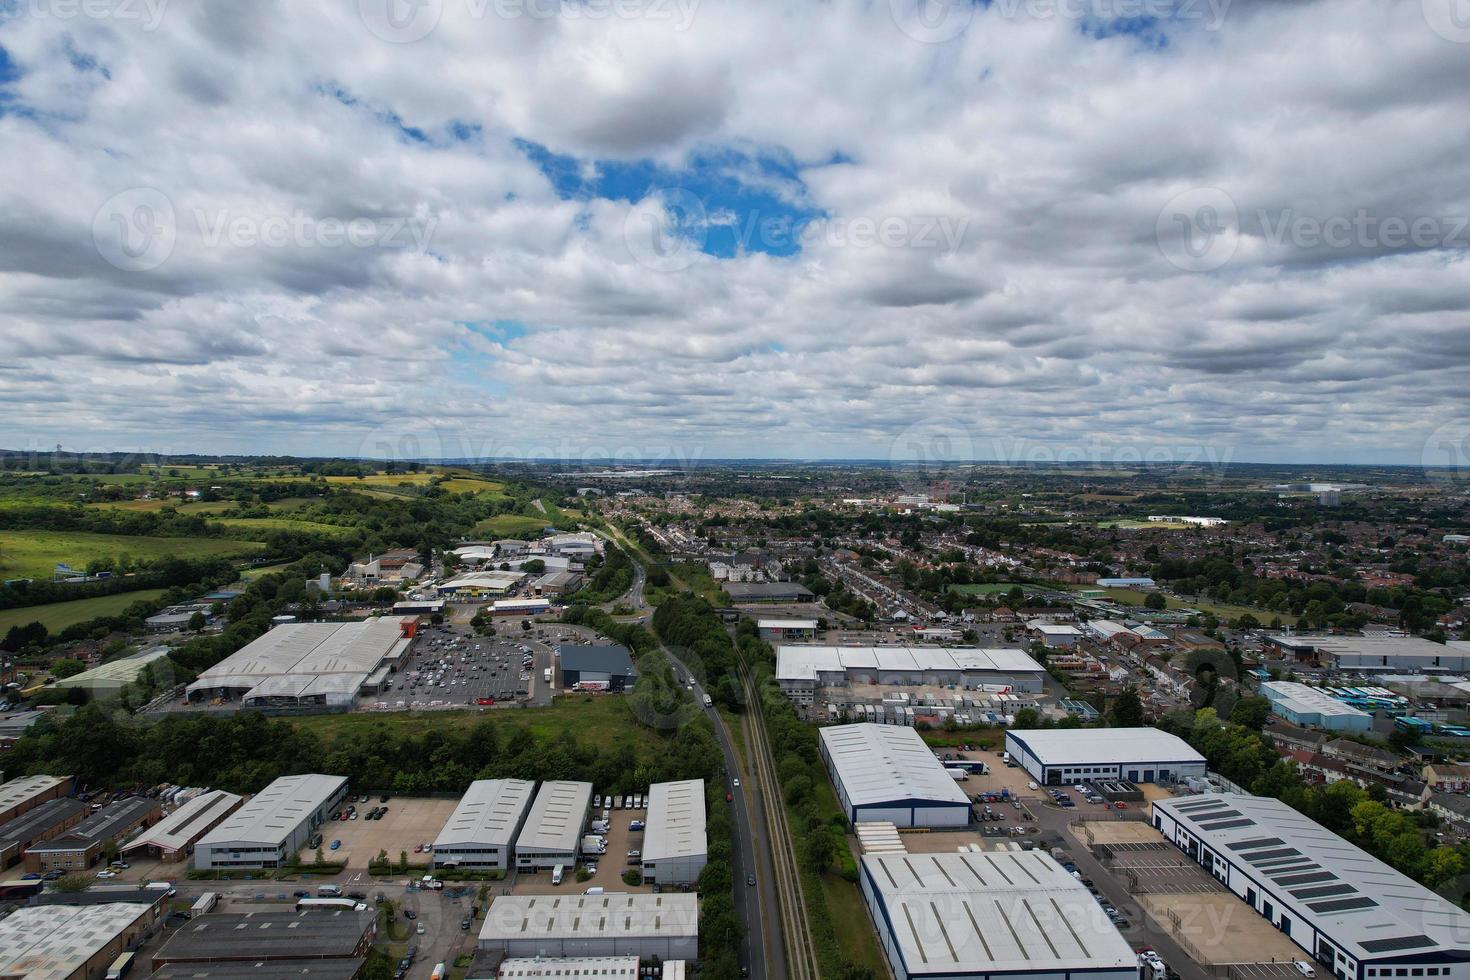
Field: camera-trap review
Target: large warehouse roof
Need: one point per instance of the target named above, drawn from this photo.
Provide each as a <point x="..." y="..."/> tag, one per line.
<point x="274" y="812"/>
<point x="1361" y="651"/>
<point x="18" y="792"/>
<point x="186" y="824"/>
<point x="1302" y="699"/>
<point x="52" y="942"/>
<point x="302" y="659"/>
<point x="675" y="826"/>
<point x="489" y="813"/>
<point x="514" y="917"/>
<point x="556" y="818"/>
<point x="804" y="661"/>
<point x="887" y="763"/>
<point x="992" y="912"/>
<point x="1104" y="746"/>
<point x="267" y="933"/>
<point x="348" y="968"/>
<point x="1362" y="903"/>
<point x="115" y="673"/>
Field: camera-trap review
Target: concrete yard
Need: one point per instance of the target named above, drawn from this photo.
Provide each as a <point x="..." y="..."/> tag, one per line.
<point x="1117" y="832"/>
<point x="407" y="823"/>
<point x="610" y="866"/>
<point x="1218" y="928"/>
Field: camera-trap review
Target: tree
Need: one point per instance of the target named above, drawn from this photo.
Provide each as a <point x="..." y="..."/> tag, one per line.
<point x="1128" y="709"/>
<point x="1155" y="600"/>
<point x="196" y="622"/>
<point x="1251" y="712"/>
<point x="62" y="669"/>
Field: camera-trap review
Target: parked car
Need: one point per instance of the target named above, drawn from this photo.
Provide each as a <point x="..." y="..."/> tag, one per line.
<point x="1304" y="968"/>
<point x="336" y="844"/>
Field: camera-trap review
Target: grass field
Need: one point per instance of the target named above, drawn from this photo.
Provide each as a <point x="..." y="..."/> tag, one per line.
<point x="1127" y="524"/>
<point x="33" y="554"/>
<point x="985" y="588"/>
<point x="511" y="526"/>
<point x="266" y="524"/>
<point x="594" y="720"/>
<point x="156" y="505"/>
<point x="1132" y="597"/>
<point x="57" y="616"/>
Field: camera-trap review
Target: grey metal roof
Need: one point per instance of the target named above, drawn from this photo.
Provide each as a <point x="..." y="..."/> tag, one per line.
<point x="676" y="821"/>
<point x="489" y="813"/>
<point x="556" y="818"/>
<point x="1365" y="906"/>
<point x="274" y="812"/>
<point x="513" y="917"/>
<point x="613" y="658"/>
<point x="887" y="763"/>
<point x="1105" y="746"/>
<point x="280" y="932"/>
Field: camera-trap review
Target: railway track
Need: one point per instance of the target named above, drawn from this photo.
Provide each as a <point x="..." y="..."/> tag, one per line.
<point x="801" y="962"/>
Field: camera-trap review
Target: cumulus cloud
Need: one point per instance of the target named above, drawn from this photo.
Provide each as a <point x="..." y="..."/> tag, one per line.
<point x="283" y="227"/>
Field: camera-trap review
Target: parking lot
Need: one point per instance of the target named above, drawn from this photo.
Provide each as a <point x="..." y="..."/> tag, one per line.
<point x="449" y="666"/>
<point x="610" y="866"/>
<point x="407" y="824"/>
<point x="1217" y="928"/>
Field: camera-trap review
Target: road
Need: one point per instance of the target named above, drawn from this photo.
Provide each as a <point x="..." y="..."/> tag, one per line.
<point x="761" y="949"/>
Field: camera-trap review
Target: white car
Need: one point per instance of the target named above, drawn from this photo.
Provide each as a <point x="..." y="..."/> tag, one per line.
<point x="106" y="874"/>
<point x="1304" y="968"/>
<point x="735" y="783"/>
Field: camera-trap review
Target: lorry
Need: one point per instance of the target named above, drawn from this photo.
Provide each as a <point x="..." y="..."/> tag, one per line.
<point x="958" y="775"/>
<point x="546" y="675"/>
<point x="709" y="702"/>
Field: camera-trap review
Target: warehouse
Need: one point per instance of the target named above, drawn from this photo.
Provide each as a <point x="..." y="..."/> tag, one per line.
<point x="483" y="827"/>
<point x="276" y="823"/>
<point x="42" y="823"/>
<point x="583" y="968"/>
<point x="1379" y="654"/>
<point x="478" y="585"/>
<point x="767" y="592"/>
<point x="299" y="664"/>
<point x="1309" y="707"/>
<point x="336" y="969"/>
<point x="1012" y="914"/>
<point x="596" y="668"/>
<point x="1352" y="913"/>
<point x="28" y="792"/>
<point x="553" y="830"/>
<point x="520" y="607"/>
<point x="886" y="772"/>
<point x="272" y="933"/>
<point x="647" y="926"/>
<point x="1058" y="635"/>
<point x="72" y="942"/>
<point x="675" y="848"/>
<point x="174" y="837"/>
<point x="777" y="630"/>
<point x="80" y="847"/>
<point x="1062" y="757"/>
<point x="113" y="676"/>
<point x="803" y="668"/>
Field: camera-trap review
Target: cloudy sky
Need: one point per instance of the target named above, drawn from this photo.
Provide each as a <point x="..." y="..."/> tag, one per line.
<point x="1212" y="229"/>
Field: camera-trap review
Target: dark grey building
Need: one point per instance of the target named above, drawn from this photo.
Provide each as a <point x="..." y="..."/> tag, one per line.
<point x="608" y="668"/>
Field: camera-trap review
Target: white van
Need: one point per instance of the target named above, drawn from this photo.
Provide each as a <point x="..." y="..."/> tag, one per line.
<point x="556" y="874"/>
<point x="595" y="890"/>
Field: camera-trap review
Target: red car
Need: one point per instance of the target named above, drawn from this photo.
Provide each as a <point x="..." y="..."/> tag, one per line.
<point x="418" y="848"/>
<point x="1121" y="805"/>
<point x="729" y="798"/>
<point x="485" y="702"/>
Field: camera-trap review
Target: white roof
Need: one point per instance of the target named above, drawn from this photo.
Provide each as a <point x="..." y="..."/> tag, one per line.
<point x="1056" y="629"/>
<point x="494" y="579"/>
<point x="1304" y="699"/>
<point x="675" y="825"/>
<point x="1360" y="902"/>
<point x="787" y="624"/>
<point x="887" y="763"/>
<point x="556" y="818"/>
<point x="273" y="813"/>
<point x="1107" y="628"/>
<point x="1454" y="654"/>
<point x="1104" y="746"/>
<point x="992" y="912"/>
<point x="308" y="658"/>
<point x="569" y="968"/>
<point x="516" y="917"/>
<point x="188" y="823"/>
<point x="124" y="670"/>
<point x="803" y="661"/>
<point x="26" y="788"/>
<point x="55" y="942"/>
<point x="489" y="813"/>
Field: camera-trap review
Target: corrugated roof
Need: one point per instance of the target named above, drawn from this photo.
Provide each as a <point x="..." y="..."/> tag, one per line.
<point x="885" y="763"/>
<point x="676" y="821"/>
<point x="556" y="818"/>
<point x="489" y="813"/>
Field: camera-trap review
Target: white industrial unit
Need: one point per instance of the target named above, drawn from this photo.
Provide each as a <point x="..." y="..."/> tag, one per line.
<point x="886" y="772"/>
<point x="1353" y="914"/>
<point x="1063" y="756"/>
<point x="675" y="847"/>
<point x="552" y="834"/>
<point x="483" y="828"/>
<point x="647" y="926"/>
<point x="996" y="914"/>
<point x="277" y="822"/>
<point x="1303" y="705"/>
<point x="803" y="668"/>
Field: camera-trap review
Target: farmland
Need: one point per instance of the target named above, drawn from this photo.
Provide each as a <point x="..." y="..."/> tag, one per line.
<point x="267" y="524"/>
<point x="33" y="554"/>
<point x="511" y="526"/>
<point x="57" y="616"/>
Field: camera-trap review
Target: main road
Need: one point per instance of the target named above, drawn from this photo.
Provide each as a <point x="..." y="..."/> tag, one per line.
<point x="762" y="950"/>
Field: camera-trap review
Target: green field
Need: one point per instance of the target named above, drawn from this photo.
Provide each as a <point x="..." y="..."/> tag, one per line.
<point x="593" y="720"/>
<point x="266" y="524"/>
<point x="159" y="504"/>
<point x="511" y="526"/>
<point x="985" y="588"/>
<point x="57" y="616"/>
<point x="1132" y="597"/>
<point x="33" y="554"/>
<point x="1128" y="524"/>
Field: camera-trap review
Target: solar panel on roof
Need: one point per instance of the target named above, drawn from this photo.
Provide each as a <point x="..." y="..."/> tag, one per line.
<point x="1265" y="857"/>
<point x="1205" y="818"/>
<point x="1394" y="945"/>
<point x="1229" y="824"/>
<point x="1322" y="891"/>
<point x="1198" y="805"/>
<point x="1255" y="842"/>
<point x="1303" y="879"/>
<point x="1343" y="904"/>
